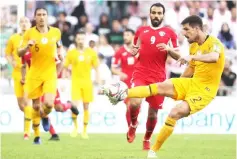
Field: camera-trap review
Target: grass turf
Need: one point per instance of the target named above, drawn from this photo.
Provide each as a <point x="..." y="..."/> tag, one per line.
<point x="115" y="146"/>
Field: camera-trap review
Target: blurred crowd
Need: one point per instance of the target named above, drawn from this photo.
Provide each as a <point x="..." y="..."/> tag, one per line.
<point x="104" y="22"/>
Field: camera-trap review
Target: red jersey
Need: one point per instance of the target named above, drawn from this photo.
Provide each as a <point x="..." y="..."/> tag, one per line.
<point x="126" y="61"/>
<point x="26" y="58"/>
<point x="151" y="61"/>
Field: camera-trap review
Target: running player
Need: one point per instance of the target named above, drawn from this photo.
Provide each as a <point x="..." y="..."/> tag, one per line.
<point x="13" y="58"/>
<point x="42" y="41"/>
<point x="59" y="106"/>
<point x="196" y="87"/>
<point x="82" y="60"/>
<point x="123" y="64"/>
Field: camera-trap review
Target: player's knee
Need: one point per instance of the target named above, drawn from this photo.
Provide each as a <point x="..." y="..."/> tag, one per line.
<point x="178" y="113"/>
<point x="86" y="106"/>
<point x="175" y="113"/>
<point x="49" y="104"/>
<point x="36" y="106"/>
<point x="165" y="88"/>
<point x="135" y="102"/>
<point x="152" y="113"/>
<point x="21" y="106"/>
<point x="57" y="108"/>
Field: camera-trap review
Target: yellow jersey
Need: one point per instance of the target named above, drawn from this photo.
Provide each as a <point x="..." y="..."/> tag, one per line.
<point x="208" y="75"/>
<point x="82" y="64"/>
<point x="13" y="44"/>
<point x="43" y="52"/>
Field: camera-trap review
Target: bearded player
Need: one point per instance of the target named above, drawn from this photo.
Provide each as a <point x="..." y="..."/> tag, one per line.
<point x="13" y="58"/>
<point x="123" y="64"/>
<point x="197" y="86"/>
<point x="150" y="68"/>
<point x="44" y="43"/>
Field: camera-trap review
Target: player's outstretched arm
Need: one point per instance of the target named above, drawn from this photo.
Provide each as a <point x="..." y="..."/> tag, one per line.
<point x="207" y="58"/>
<point x="173" y="52"/>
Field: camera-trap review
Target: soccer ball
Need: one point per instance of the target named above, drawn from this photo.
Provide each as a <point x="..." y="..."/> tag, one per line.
<point x="116" y="91"/>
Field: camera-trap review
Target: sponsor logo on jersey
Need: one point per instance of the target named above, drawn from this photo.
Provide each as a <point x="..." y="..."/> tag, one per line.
<point x="146" y="31"/>
<point x="161" y="33"/>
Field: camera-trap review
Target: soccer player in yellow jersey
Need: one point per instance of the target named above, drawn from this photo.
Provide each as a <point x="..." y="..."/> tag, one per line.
<point x="44" y="44"/>
<point x="198" y="84"/>
<point x="11" y="54"/>
<point x="82" y="60"/>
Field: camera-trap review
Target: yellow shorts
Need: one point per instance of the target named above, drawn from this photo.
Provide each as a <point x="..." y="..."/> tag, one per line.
<point x="189" y="91"/>
<point x="82" y="92"/>
<point x="36" y="88"/>
<point x="18" y="88"/>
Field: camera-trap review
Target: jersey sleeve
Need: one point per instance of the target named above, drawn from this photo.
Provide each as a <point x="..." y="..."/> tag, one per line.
<point x="216" y="46"/>
<point x="136" y="36"/>
<point x="173" y="40"/>
<point x="95" y="59"/>
<point x="9" y="48"/>
<point x="67" y="60"/>
<point x="116" y="60"/>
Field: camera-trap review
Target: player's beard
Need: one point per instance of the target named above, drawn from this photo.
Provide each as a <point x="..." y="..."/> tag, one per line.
<point x="156" y="22"/>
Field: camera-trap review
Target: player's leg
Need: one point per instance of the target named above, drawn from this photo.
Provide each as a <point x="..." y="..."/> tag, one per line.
<point x="128" y="116"/>
<point x="87" y="98"/>
<point x="155" y="103"/>
<point x="194" y="101"/>
<point x="63" y="107"/>
<point x="165" y="88"/>
<point x="49" y="92"/>
<point x="86" y="117"/>
<point x="54" y="135"/>
<point x="135" y="106"/>
<point x="27" y="117"/>
<point x="36" y="120"/>
<point x="76" y="94"/>
<point x="23" y="106"/>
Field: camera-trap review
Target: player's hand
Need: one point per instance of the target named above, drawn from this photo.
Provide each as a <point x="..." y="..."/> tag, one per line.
<point x="123" y="76"/>
<point x="22" y="81"/>
<point x="134" y="50"/>
<point x="184" y="60"/>
<point x="14" y="64"/>
<point x="31" y="43"/>
<point x="163" y="47"/>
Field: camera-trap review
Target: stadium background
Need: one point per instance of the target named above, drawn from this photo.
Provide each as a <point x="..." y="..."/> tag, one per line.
<point x="70" y="16"/>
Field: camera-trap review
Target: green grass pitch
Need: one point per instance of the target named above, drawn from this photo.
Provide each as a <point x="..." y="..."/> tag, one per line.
<point x="115" y="146"/>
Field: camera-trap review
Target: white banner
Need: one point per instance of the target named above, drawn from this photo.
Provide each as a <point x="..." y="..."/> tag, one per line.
<point x="220" y="117"/>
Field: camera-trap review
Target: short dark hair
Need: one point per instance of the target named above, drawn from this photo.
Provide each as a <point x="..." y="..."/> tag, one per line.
<point x="81" y="32"/>
<point x="129" y="30"/>
<point x="63" y="13"/>
<point x="39" y="9"/>
<point x="158" y="5"/>
<point x="193" y="21"/>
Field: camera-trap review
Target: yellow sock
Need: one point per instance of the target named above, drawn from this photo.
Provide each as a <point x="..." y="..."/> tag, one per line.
<point x="74" y="119"/>
<point x="86" y="120"/>
<point x="165" y="132"/>
<point x="27" y="119"/>
<point x="46" y="110"/>
<point x="143" y="91"/>
<point x="36" y="122"/>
